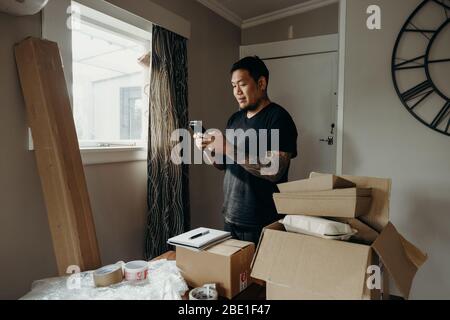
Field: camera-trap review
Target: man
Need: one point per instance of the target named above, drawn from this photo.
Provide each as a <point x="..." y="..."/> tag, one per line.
<point x="248" y="187"/>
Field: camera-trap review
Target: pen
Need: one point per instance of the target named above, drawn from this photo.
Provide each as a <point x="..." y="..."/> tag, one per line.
<point x="199" y="235"/>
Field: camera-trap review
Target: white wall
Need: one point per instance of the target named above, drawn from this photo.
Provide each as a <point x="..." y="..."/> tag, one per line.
<point x="107" y="100"/>
<point x="317" y="22"/>
<point x="382" y="139"/>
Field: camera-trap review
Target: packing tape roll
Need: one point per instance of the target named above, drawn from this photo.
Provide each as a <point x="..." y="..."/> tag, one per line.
<point x="136" y="270"/>
<point x="207" y="292"/>
<point x="108" y="275"/>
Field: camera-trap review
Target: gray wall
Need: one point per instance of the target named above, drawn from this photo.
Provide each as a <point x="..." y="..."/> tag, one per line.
<point x="382" y="139"/>
<point x="117" y="191"/>
<point x="317" y="22"/>
<point x="26" y="251"/>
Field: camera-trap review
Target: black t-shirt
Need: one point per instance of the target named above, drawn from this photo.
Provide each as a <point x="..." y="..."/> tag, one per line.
<point x="247" y="198"/>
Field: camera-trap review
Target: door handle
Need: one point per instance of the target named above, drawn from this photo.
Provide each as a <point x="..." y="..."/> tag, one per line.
<point x="329" y="140"/>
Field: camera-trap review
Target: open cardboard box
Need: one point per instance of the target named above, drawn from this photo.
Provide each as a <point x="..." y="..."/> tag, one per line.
<point x="297" y="266"/>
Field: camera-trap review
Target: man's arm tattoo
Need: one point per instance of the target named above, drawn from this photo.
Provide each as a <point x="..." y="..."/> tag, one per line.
<point x="268" y="169"/>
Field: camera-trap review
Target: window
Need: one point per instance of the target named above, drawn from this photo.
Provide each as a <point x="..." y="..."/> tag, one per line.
<point x="130" y="113"/>
<point x="110" y="80"/>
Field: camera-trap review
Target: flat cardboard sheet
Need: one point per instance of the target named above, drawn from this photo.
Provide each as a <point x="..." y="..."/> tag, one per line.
<point x="319" y="183"/>
<point x="347" y="203"/>
<point x="57" y="153"/>
<point x="401" y="258"/>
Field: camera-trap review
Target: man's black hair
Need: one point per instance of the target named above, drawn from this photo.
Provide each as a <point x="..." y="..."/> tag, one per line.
<point x="254" y="65"/>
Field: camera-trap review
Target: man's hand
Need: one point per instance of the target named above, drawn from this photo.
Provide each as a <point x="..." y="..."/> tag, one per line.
<point x="202" y="140"/>
<point x="272" y="168"/>
<point x="211" y="142"/>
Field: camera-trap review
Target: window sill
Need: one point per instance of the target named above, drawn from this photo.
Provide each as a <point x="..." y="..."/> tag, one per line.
<point x="94" y="156"/>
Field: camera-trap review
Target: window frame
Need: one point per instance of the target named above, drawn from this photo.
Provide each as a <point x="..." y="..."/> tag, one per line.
<point x="52" y="20"/>
<point x="91" y="17"/>
<point x="144" y="15"/>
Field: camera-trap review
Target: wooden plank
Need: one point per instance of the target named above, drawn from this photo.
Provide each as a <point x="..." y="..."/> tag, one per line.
<point x="57" y="154"/>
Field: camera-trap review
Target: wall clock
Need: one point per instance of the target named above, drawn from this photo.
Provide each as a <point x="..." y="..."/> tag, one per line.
<point x="421" y="64"/>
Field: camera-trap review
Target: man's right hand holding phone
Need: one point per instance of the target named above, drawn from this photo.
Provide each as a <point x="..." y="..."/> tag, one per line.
<point x="212" y="142"/>
<point x="202" y="140"/>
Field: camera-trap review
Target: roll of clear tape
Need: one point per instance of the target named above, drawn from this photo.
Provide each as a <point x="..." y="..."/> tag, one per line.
<point x="135" y="270"/>
<point x="108" y="275"/>
<point x="207" y="292"/>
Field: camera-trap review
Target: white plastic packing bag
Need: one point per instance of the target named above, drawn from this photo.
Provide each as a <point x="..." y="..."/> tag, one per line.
<point x="318" y="227"/>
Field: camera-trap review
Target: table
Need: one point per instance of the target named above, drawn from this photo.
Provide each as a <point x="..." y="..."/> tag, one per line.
<point x="56" y="288"/>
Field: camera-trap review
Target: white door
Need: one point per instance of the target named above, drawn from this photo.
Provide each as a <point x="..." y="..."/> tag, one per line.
<point x="304" y="80"/>
<point x="306" y="86"/>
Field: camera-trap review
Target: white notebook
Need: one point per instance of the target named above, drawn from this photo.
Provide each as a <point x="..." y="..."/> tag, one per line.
<point x="199" y="238"/>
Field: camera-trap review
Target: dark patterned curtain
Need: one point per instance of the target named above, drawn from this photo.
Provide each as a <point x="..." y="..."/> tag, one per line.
<point x="168" y="198"/>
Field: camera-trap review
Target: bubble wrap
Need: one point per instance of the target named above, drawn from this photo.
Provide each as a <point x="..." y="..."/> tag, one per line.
<point x="164" y="282"/>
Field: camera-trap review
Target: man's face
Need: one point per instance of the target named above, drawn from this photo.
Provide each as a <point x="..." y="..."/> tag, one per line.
<point x="247" y="92"/>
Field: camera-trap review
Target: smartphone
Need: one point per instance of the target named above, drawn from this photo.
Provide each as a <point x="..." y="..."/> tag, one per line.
<point x="195" y="125"/>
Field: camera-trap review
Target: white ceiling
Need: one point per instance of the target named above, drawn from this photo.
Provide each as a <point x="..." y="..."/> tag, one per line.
<point x="246" y="9"/>
<point x="249" y="13"/>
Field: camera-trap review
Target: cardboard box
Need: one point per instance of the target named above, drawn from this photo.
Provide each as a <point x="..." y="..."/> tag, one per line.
<point x="316" y="183"/>
<point x="378" y="215"/>
<point x="365" y="235"/>
<point x="275" y="291"/>
<point x="297" y="266"/>
<point x="345" y="203"/>
<point x="226" y="264"/>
